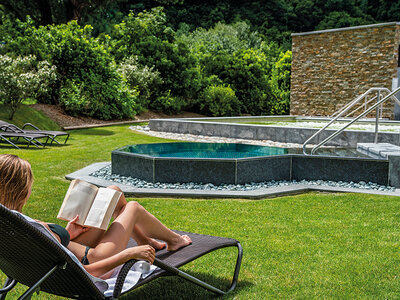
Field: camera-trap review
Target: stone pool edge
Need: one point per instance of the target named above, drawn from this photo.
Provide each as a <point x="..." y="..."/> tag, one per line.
<point x="83" y="174"/>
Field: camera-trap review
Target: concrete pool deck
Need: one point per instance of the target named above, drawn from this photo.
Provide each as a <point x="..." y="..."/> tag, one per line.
<point x="84" y="174"/>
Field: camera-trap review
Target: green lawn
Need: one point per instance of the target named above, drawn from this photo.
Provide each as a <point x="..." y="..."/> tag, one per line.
<point x="305" y="246"/>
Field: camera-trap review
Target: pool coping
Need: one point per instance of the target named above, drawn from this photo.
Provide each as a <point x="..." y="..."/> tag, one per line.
<point x="83" y="174"/>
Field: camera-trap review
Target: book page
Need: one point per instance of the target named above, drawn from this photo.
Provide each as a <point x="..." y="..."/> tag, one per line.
<point x="110" y="211"/>
<point x="77" y="201"/>
<point x="103" y="206"/>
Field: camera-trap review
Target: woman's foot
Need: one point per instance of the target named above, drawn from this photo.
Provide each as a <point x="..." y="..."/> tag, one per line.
<point x="152" y="242"/>
<point x="180" y="242"/>
<point x="156" y="244"/>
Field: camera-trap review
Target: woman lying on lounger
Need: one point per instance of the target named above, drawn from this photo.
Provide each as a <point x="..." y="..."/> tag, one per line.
<point x="99" y="251"/>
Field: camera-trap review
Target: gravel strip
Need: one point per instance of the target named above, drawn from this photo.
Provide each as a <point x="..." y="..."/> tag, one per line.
<point x="105" y="173"/>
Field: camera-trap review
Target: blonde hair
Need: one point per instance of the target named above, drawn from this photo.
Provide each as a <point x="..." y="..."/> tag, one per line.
<point x="16" y="180"/>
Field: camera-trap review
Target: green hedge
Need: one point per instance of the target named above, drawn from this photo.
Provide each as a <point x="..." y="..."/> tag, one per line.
<point x="144" y="64"/>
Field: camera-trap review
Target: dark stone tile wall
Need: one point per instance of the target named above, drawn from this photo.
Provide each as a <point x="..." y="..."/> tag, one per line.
<point x="128" y="164"/>
<point x="332" y="67"/>
<point x="394" y="171"/>
<point x="199" y="170"/>
<point x="264" y="169"/>
<point x="340" y="169"/>
<point x="280" y="167"/>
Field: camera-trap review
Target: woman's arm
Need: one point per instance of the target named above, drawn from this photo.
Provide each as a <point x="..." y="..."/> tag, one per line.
<point x="105" y="265"/>
<point x="49" y="230"/>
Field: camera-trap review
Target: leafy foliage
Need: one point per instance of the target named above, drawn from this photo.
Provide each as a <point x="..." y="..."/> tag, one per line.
<point x="21" y="78"/>
<point x="146" y="80"/>
<point x="220" y="100"/>
<point x="233" y="56"/>
<point x="218" y="58"/>
<point x="280" y="84"/>
<point x="87" y="79"/>
<point x="147" y="36"/>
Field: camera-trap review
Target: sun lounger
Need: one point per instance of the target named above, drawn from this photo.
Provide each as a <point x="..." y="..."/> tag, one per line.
<point x="30" y="256"/>
<point x="12" y="138"/>
<point x="51" y="133"/>
<point x="5" y="126"/>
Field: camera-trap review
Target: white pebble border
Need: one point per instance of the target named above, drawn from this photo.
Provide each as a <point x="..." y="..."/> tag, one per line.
<point x="105" y="174"/>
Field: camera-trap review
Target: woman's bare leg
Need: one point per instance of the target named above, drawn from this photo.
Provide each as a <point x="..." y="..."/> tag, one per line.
<point x="93" y="236"/>
<point x="142" y="239"/>
<point x="117" y="236"/>
<point x="90" y="238"/>
<point x="137" y="233"/>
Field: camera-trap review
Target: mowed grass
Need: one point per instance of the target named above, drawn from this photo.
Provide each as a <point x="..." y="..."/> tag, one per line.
<point x="308" y="246"/>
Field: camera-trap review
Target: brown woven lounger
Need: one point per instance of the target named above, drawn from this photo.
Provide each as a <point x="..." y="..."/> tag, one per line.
<point x="30" y="257"/>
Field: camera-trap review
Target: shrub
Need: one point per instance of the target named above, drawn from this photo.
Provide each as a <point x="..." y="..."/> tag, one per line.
<point x="48" y="83"/>
<point x="105" y="103"/>
<point x="87" y="79"/>
<point x="167" y="103"/>
<point x="147" y="36"/>
<point x="220" y="101"/>
<point x="280" y="84"/>
<point x="146" y="80"/>
<point x="247" y="75"/>
<point x="21" y="78"/>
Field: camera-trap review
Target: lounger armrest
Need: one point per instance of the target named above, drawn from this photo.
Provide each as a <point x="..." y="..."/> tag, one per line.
<point x="30" y="124"/>
<point x="122" y="276"/>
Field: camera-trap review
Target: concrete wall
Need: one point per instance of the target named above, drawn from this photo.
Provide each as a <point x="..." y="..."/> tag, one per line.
<point x="348" y="138"/>
<point x="331" y="67"/>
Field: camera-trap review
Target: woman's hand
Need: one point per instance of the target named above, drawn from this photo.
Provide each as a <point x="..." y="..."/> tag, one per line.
<point x="144" y="252"/>
<point x="74" y="229"/>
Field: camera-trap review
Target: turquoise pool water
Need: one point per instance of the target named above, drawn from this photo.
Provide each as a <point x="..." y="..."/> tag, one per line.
<point x="204" y="150"/>
<point x="225" y="150"/>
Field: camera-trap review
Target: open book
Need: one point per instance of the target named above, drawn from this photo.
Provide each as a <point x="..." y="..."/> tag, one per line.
<point x="94" y="205"/>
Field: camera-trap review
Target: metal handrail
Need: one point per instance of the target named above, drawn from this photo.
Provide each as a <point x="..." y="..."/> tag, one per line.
<point x="365" y="105"/>
<point x="357" y="99"/>
<point x="348" y="107"/>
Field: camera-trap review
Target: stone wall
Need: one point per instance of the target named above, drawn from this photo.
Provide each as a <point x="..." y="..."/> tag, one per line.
<point x="332" y="67"/>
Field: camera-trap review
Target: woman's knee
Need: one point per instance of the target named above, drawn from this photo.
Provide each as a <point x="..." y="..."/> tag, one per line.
<point x="114" y="187"/>
<point x="134" y="206"/>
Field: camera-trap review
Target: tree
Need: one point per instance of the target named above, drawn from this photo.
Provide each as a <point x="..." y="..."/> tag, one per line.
<point x="342" y="19"/>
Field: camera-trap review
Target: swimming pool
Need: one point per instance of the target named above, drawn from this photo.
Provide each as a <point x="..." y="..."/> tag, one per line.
<point x="239" y="164"/>
<point x="203" y="150"/>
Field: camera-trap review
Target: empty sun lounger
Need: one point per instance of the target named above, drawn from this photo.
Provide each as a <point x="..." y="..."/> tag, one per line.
<point x="51" y="133"/>
<point x="12" y="138"/>
<point x="30" y="256"/>
<point x="5" y="126"/>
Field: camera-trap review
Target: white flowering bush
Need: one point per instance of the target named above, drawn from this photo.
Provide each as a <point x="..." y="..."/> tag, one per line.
<point x="47" y="82"/>
<point x="143" y="78"/>
<point x="21" y="78"/>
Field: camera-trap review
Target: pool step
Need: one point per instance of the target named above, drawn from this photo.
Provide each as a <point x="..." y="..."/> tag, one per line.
<point x="379" y="150"/>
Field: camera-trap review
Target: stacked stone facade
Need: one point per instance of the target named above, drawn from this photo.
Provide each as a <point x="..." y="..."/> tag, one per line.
<point x="332" y="67"/>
